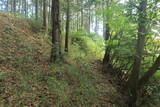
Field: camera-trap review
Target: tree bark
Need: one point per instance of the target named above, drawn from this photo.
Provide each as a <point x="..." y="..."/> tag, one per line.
<point x="45" y="15"/>
<point x="49" y="12"/>
<point x="133" y="80"/>
<point x="36" y="9"/>
<point x="25" y="8"/>
<point x="81" y="3"/>
<point x="96" y="21"/>
<point x="106" y="35"/>
<point x="7" y="5"/>
<point x="14" y="5"/>
<point x="77" y="16"/>
<point x="55" y="51"/>
<point x="106" y="58"/>
<point x="67" y="25"/>
<point x="89" y="17"/>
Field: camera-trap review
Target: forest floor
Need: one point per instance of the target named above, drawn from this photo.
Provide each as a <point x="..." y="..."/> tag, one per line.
<point x="28" y="79"/>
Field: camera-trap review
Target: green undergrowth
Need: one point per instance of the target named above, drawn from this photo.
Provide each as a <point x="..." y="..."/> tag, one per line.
<point x="65" y="85"/>
<point x="87" y="46"/>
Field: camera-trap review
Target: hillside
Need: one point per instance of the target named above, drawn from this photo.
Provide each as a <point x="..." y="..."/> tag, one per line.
<point x="79" y="53"/>
<point x="19" y="44"/>
<point x="28" y="79"/>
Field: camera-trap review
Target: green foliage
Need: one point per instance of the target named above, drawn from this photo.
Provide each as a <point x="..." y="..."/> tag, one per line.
<point x="123" y="38"/>
<point x="86" y="45"/>
<point x="35" y="82"/>
<point x="121" y="44"/>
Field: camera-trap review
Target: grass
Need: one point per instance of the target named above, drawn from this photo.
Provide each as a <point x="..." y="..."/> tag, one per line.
<point x="62" y="86"/>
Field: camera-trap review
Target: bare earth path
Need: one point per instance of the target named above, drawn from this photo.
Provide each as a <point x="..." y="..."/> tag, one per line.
<point x="108" y="95"/>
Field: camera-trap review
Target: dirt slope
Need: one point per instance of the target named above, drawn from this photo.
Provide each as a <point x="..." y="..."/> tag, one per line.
<point x="18" y="43"/>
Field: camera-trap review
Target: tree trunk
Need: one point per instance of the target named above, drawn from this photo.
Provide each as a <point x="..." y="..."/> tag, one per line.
<point x="106" y="58"/>
<point x="7" y="5"/>
<point x="45" y="15"/>
<point x="89" y="18"/>
<point x="25" y="8"/>
<point x="81" y="3"/>
<point x="96" y="21"/>
<point x="36" y="9"/>
<point x="67" y="25"/>
<point x="104" y="23"/>
<point x="133" y="80"/>
<point x="106" y="35"/>
<point x="55" y="51"/>
<point x="49" y="13"/>
<point x="14" y="5"/>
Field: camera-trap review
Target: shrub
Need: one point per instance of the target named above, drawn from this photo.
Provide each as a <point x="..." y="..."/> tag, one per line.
<point x="86" y="44"/>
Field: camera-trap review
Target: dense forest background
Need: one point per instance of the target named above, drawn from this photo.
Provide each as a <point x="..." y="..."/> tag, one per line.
<point x="83" y="53"/>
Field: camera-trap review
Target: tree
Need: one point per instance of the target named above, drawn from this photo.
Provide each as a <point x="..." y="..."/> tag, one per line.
<point x="45" y="15"/>
<point x="55" y="51"/>
<point x="106" y="58"/>
<point x="25" y="7"/>
<point x="36" y="9"/>
<point x="7" y="5"/>
<point x="14" y="5"/>
<point x="106" y="35"/>
<point x="133" y="80"/>
<point x="81" y="9"/>
<point x="67" y="25"/>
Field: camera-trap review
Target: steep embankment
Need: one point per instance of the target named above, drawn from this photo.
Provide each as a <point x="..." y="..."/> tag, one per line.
<point x="18" y="44"/>
<point x="27" y="79"/>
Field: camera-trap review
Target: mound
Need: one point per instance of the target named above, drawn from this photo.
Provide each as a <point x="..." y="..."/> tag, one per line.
<point x="19" y="45"/>
<point x="23" y="56"/>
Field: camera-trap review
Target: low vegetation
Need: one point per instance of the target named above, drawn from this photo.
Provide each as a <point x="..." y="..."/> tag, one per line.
<point x="79" y="53"/>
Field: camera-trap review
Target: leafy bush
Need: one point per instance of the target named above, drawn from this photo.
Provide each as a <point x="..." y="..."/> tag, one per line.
<point x="85" y="44"/>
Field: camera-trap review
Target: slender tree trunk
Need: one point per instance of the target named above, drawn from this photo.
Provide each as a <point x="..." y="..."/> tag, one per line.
<point x="25" y="8"/>
<point x="81" y="13"/>
<point x="14" y="5"/>
<point x="133" y="80"/>
<point x="104" y="23"/>
<point x="67" y="25"/>
<point x="77" y="16"/>
<point x="32" y="9"/>
<point x="89" y="18"/>
<point x="7" y="5"/>
<point x="106" y="58"/>
<point x="36" y="9"/>
<point x="11" y="2"/>
<point x="106" y="35"/>
<point x="96" y="25"/>
<point x="55" y="51"/>
<point x="19" y="6"/>
<point x="45" y="15"/>
<point x="41" y="8"/>
<point x="96" y="21"/>
<point x="49" y="13"/>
